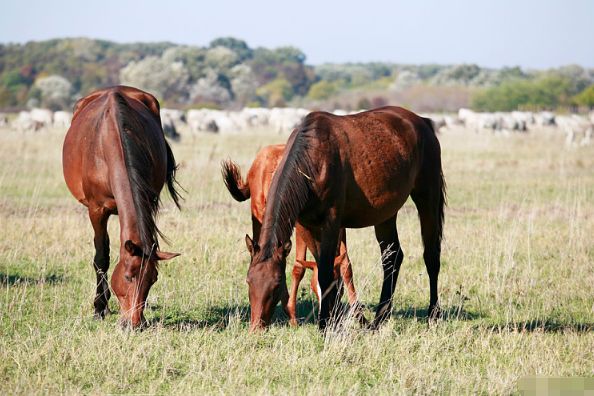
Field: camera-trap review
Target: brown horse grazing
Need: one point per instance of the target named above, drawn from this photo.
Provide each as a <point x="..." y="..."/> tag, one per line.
<point x="256" y="186"/>
<point x="349" y="172"/>
<point x="116" y="161"/>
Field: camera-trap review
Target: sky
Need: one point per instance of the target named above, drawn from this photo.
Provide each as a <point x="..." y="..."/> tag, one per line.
<point x="527" y="33"/>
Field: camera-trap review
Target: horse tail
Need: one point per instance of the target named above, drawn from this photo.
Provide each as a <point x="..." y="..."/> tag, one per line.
<point x="441" y="183"/>
<point x="442" y="201"/>
<point x="239" y="189"/>
<point x="172" y="168"/>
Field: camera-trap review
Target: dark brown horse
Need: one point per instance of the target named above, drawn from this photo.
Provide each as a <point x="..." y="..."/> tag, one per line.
<point x="116" y="161"/>
<point x="349" y="172"/>
<point x="256" y="187"/>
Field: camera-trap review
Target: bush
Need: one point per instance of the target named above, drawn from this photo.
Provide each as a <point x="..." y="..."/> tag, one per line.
<point x="546" y="92"/>
<point x="321" y="90"/>
<point x="586" y="97"/>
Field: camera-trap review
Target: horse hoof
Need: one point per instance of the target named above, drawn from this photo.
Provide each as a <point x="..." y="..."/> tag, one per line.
<point x="434" y="314"/>
<point x="100" y="314"/>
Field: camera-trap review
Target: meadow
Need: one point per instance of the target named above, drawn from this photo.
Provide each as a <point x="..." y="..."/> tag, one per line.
<point x="515" y="285"/>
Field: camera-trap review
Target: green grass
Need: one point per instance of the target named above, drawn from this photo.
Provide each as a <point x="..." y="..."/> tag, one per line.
<point x="516" y="283"/>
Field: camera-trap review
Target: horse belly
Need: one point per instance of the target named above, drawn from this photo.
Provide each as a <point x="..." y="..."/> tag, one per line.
<point x="365" y="213"/>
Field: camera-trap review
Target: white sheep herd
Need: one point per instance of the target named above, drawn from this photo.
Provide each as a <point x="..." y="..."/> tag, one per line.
<point x="578" y="129"/>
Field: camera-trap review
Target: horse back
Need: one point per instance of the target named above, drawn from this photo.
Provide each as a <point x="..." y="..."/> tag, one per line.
<point x="260" y="176"/>
<point x="93" y="153"/>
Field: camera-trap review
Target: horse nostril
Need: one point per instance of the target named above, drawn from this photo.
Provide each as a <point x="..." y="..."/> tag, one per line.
<point x="128" y="278"/>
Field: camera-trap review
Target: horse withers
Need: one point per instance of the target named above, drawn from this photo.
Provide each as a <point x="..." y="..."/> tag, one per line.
<point x="116" y="161"/>
<point x="256" y="187"/>
<point x="349" y="171"/>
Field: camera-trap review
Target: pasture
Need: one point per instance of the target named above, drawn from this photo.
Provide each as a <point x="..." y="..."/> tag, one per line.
<point x="515" y="285"/>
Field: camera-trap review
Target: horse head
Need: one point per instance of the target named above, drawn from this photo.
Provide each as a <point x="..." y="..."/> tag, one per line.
<point x="266" y="281"/>
<point x="132" y="279"/>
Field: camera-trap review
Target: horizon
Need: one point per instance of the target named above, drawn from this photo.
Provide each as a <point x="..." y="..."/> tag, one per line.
<point x="533" y="36"/>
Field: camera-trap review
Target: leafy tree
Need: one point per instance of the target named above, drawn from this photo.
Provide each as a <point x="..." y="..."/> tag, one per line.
<point x="239" y="47"/>
<point x="56" y="92"/>
<point x="586" y="97"/>
<point x="209" y="90"/>
<point x="243" y="84"/>
<point x="547" y="92"/>
<point x="276" y="92"/>
<point x="321" y="90"/>
<point x="156" y="76"/>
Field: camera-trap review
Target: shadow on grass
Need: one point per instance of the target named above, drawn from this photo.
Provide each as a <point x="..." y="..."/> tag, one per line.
<point x="216" y="317"/>
<point x="447" y="314"/>
<point x="546" y="325"/>
<point x="219" y="317"/>
<point x="17" y="280"/>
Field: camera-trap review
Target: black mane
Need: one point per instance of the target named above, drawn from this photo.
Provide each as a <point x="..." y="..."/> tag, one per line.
<point x="139" y="157"/>
<point x="289" y="190"/>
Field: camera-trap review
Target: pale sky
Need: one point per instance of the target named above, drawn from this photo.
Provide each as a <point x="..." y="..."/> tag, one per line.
<point x="530" y="33"/>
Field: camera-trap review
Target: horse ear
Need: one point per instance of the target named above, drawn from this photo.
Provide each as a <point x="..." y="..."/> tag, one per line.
<point x="339" y="259"/>
<point x="165" y="255"/>
<point x="283" y="251"/>
<point x="132" y="248"/>
<point x="287" y="247"/>
<point x="251" y="246"/>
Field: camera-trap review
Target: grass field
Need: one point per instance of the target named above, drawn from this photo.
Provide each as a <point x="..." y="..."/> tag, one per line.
<point x="515" y="285"/>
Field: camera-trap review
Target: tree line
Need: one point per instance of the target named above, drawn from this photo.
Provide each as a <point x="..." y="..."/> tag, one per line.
<point x="228" y="73"/>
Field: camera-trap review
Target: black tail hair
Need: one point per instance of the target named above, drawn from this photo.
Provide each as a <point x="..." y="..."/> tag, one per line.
<point x="442" y="201"/>
<point x="172" y="168"/>
<point x="239" y="189"/>
<point x="139" y="158"/>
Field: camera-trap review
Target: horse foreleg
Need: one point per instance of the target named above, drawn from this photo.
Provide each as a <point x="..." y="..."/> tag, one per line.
<point x="392" y="256"/>
<point x="99" y="217"/>
<point x="327" y="285"/>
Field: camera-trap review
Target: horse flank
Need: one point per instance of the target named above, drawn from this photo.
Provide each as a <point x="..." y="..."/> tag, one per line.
<point x="139" y="160"/>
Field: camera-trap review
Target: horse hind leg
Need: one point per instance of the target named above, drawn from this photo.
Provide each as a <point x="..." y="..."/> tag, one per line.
<point x="346" y="273"/>
<point x="392" y="257"/>
<point x="99" y="217"/>
<point x="429" y="208"/>
<point x="356" y="308"/>
<point x="298" y="273"/>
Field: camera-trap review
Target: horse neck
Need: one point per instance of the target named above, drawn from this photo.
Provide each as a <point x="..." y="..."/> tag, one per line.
<point x="273" y="233"/>
<point x="287" y="196"/>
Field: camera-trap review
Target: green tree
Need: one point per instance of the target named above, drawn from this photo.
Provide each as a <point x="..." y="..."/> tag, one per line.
<point x="546" y="92"/>
<point x="321" y="90"/>
<point x="238" y="46"/>
<point x="586" y="97"/>
<point x="277" y="92"/>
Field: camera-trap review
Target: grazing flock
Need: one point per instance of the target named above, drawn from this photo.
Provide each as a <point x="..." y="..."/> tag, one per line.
<point x="577" y="129"/>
